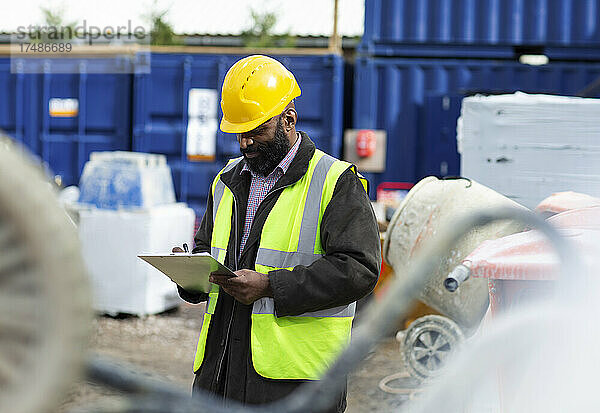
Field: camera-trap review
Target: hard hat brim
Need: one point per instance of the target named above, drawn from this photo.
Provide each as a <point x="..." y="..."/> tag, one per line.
<point x="229" y="127"/>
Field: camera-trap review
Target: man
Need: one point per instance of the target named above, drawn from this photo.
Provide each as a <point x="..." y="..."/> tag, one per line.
<point x="297" y="227"/>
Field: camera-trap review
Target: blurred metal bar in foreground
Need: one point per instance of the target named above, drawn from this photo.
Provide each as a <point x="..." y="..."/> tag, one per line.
<point x="378" y="321"/>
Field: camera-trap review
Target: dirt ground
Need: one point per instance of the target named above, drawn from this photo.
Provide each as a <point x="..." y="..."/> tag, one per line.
<point x="163" y="347"/>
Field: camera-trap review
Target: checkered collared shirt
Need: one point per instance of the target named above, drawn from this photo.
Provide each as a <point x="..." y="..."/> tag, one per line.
<point x="260" y="187"/>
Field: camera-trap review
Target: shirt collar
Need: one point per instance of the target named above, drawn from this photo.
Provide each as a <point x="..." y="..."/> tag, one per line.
<point x="285" y="162"/>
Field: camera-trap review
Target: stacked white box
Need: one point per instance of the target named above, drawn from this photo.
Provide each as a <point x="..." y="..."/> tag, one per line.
<point x="111" y="241"/>
<point x="530" y="146"/>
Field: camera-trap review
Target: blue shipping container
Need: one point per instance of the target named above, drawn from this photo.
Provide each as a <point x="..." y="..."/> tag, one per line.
<point x="63" y="117"/>
<point x="480" y="23"/>
<point x="15" y="118"/>
<point x="418" y="102"/>
<point x="160" y="115"/>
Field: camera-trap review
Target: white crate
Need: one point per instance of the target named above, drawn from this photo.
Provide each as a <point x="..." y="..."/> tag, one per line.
<point x="111" y="241"/>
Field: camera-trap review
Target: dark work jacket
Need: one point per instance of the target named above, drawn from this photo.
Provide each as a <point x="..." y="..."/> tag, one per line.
<point x="347" y="272"/>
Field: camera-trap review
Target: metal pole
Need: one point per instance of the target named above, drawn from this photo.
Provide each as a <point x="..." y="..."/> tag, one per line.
<point x="335" y="44"/>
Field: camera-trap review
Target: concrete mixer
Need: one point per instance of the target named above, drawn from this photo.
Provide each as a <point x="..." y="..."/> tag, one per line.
<point x="430" y="205"/>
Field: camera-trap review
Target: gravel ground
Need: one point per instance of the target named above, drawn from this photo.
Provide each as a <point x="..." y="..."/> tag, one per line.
<point x="163" y="346"/>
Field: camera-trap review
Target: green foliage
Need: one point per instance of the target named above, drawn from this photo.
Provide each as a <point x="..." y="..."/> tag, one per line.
<point x="52" y="18"/>
<point x="161" y="31"/>
<point x="260" y="33"/>
<point x="54" y="28"/>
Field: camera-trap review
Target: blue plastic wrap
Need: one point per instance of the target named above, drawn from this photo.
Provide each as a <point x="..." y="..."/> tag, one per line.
<point x="117" y="180"/>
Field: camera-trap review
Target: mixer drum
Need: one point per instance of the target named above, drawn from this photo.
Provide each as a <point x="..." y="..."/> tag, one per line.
<point x="433" y="205"/>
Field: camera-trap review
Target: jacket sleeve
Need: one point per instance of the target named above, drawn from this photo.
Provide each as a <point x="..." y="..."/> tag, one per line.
<point x="350" y="267"/>
<point x="202" y="242"/>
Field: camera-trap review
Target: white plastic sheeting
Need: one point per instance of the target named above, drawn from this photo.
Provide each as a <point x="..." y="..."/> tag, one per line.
<point x="565" y="201"/>
<point x="528" y="147"/>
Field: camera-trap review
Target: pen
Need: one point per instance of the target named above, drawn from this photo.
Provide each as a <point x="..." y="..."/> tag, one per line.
<point x="185" y="247"/>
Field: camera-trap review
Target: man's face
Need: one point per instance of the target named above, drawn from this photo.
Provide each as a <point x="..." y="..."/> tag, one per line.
<point x="265" y="146"/>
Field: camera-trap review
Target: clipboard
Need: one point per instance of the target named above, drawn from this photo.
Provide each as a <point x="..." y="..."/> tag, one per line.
<point x="190" y="271"/>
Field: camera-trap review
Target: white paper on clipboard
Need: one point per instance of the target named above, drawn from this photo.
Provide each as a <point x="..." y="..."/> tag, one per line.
<point x="190" y="271"/>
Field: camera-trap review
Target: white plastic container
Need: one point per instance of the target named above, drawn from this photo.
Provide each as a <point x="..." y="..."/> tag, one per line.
<point x="111" y="241"/>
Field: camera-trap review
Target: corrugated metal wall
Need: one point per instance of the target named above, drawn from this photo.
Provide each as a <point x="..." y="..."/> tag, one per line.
<point x="417" y="101"/>
<point x="481" y="22"/>
<point x="160" y="111"/>
<point x="15" y="119"/>
<point x="102" y="121"/>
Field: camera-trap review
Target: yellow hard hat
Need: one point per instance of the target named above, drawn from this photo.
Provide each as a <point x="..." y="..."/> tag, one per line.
<point x="255" y="89"/>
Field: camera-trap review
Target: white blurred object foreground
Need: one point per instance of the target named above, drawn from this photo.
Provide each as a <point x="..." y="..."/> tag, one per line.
<point x="537" y="352"/>
<point x="45" y="312"/>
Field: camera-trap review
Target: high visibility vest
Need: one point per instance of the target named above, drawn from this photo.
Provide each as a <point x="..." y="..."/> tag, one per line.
<point x="290" y="347"/>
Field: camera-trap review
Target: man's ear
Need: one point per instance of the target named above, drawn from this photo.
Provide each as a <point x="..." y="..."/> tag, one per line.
<point x="290" y="117"/>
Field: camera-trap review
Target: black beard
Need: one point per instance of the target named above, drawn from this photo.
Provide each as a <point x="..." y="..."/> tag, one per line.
<point x="269" y="153"/>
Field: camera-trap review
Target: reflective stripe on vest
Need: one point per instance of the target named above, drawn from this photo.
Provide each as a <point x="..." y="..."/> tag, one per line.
<point x="266" y="305"/>
<point x="222" y="210"/>
<point x="304" y="254"/>
<point x="302" y="346"/>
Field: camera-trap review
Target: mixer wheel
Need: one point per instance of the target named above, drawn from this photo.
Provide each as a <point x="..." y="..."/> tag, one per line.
<point x="427" y="344"/>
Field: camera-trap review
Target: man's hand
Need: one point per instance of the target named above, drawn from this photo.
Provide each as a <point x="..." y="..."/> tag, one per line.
<point x="247" y="287"/>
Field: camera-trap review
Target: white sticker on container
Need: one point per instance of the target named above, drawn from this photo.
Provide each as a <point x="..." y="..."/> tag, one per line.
<point x="202" y="124"/>
<point x="63" y="107"/>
